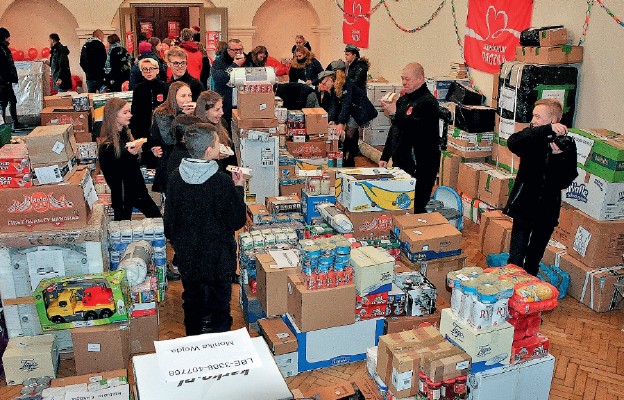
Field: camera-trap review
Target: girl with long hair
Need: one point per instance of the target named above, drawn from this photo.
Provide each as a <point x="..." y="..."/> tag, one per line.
<point x="210" y="109"/>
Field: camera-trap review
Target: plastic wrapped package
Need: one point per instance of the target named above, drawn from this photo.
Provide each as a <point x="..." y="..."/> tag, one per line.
<point x="33" y="84"/>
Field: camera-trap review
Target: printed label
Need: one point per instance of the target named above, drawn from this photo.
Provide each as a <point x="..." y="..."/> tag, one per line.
<point x="401" y="381"/>
<point x="58" y="147"/>
<point x="507" y="99"/>
<point x="93" y="347"/>
<point x="581" y="240"/>
<point x="583" y="147"/>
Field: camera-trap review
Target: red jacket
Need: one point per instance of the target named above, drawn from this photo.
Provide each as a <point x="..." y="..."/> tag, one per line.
<point x="194" y="61"/>
<point x="280" y="69"/>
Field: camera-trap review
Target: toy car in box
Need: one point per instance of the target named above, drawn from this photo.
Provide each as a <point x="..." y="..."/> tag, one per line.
<point x="82" y="300"/>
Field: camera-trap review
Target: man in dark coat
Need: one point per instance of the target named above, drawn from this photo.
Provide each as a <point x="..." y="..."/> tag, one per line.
<point x="357" y="67"/>
<point x="59" y="64"/>
<point x="92" y="60"/>
<point x="233" y="56"/>
<point x="547" y="166"/>
<point x="8" y="76"/>
<point x="414" y="138"/>
<point x="177" y="60"/>
<point x="204" y="209"/>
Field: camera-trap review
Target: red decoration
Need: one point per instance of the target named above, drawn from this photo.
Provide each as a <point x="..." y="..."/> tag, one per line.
<point x="173" y="29"/>
<point x="493" y="32"/>
<point x="212" y="38"/>
<point x="147" y="28"/>
<point x="19" y="55"/>
<point x="45" y="52"/>
<point x="356" y="23"/>
<point x="130" y="41"/>
<point x="125" y="86"/>
<point x="32" y="53"/>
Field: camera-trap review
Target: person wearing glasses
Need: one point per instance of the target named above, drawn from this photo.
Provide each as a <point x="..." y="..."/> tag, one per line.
<point x="177" y="61"/>
<point x="233" y="56"/>
<point x="147" y="95"/>
<point x="147" y="50"/>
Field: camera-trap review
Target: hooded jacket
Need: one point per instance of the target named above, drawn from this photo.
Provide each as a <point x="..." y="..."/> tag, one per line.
<point x="59" y="64"/>
<point x="306" y="70"/>
<point x="357" y="72"/>
<point x="8" y="72"/>
<point x="92" y="59"/>
<point x="117" y="67"/>
<point x="194" y="59"/>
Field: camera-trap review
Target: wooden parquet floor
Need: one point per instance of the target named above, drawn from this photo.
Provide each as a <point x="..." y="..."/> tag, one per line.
<point x="588" y="346"/>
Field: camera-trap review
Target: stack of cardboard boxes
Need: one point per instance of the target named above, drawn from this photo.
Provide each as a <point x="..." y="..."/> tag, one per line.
<point x="376" y="133"/>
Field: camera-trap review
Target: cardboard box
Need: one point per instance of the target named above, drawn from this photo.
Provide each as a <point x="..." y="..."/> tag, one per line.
<point x="44" y="174"/>
<point x="272" y="285"/>
<point x="256" y="211"/>
<point x="503" y="158"/>
<point x="287" y="173"/>
<point x="288" y="363"/>
<point x="143" y="333"/>
<point x="495" y="186"/>
<point x="474" y="119"/>
<point x="596" y="197"/>
<point x="58" y="100"/>
<point x="101" y="348"/>
<point x="505" y="127"/>
<point x="403" y="323"/>
<point x="405" y="222"/>
<point x="309" y="202"/>
<point x="315" y="121"/>
<point x="445" y="362"/>
<point x="110" y="385"/>
<point x="489" y="348"/>
<point x="436" y="271"/>
<point x="553" y="253"/>
<point x="439" y="85"/>
<point x="431" y="242"/>
<point x="606" y="155"/>
<point x="449" y="169"/>
<point x="256" y="105"/>
<point x="473" y="208"/>
<point x="563" y="232"/>
<point x="375" y="189"/>
<point x="495" y="232"/>
<point x="307" y="149"/>
<point x="80" y="120"/>
<point x="61" y="206"/>
<point x="372" y="268"/>
<point x="375" y="136"/>
<point x="550" y="55"/>
<point x="239" y="122"/>
<point x="596" y="243"/>
<point x="336" y="392"/>
<point x="283" y="204"/>
<point x="30" y="357"/>
<point x="336" y="345"/>
<point x="278" y="336"/>
<point x="14" y="159"/>
<point x="594" y="287"/>
<point x="51" y="144"/>
<point x="546" y="36"/>
<point x="376" y="90"/>
<point x="470" y="174"/>
<point x="372" y="224"/>
<point x="265" y="383"/>
<point x="288" y="190"/>
<point x="308" y="308"/>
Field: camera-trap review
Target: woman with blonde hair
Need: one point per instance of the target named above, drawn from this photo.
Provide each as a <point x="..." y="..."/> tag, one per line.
<point x="210" y="109"/>
<point x="118" y="156"/>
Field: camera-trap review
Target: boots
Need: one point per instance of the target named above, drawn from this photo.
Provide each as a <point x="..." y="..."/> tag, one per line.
<point x="351" y="148"/>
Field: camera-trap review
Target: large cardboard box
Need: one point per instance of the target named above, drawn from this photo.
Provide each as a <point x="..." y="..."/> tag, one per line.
<point x="563" y="232"/>
<point x="256" y="105"/>
<point x="315" y="121"/>
<point x="436" y="271"/>
<point x="449" y="169"/>
<point x="431" y="242"/>
<point x="309" y="203"/>
<point x="495" y="187"/>
<point x="495" y="232"/>
<point x="51" y="144"/>
<point x="80" y="120"/>
<point x="143" y="333"/>
<point x="545" y="36"/>
<point x="58" y="100"/>
<point x="372" y="224"/>
<point x="553" y="253"/>
<point x="376" y="90"/>
<point x="61" y="206"/>
<point x="597" y="288"/>
<point x="596" y="197"/>
<point x="278" y="336"/>
<point x="238" y="122"/>
<point x="551" y="55"/>
<point x="109" y="385"/>
<point x="272" y="285"/>
<point x="596" y="243"/>
<point x="373" y="268"/>
<point x="405" y="222"/>
<point x="335" y="346"/>
<point x="471" y="145"/>
<point x="30" y="357"/>
<point x="264" y="383"/>
<point x="375" y="189"/>
<point x="375" y="135"/>
<point x="600" y="152"/>
<point x="322" y="308"/>
<point x="505" y="127"/>
<point x="503" y="158"/>
<point x="101" y="348"/>
<point x="307" y="149"/>
<point x="489" y="348"/>
<point x="446" y="361"/>
<point x="469" y="181"/>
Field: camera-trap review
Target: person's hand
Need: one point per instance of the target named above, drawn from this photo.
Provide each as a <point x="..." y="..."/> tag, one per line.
<point x="58" y="82"/>
<point x="555" y="148"/>
<point x="157" y="151"/>
<point x="340" y="129"/>
<point x="134" y="150"/>
<point x="559" y="129"/>
<point x="389" y="107"/>
<point x="239" y="61"/>
<point x="238" y="178"/>
<point x="308" y="82"/>
<point x="223" y="156"/>
<point x="189" y="108"/>
<point x="382" y="164"/>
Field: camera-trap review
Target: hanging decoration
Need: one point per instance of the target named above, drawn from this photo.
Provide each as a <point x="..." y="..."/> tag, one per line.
<point x="355" y="23"/>
<point x="368" y="14"/>
<point x="610" y="13"/>
<point x="418" y="28"/>
<point x="173" y="29"/>
<point x="148" y="28"/>
<point x="493" y="32"/>
<point x="130" y="41"/>
<point x="590" y="4"/>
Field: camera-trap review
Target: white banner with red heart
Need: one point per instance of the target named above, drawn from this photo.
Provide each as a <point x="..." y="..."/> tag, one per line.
<point x="493" y="32"/>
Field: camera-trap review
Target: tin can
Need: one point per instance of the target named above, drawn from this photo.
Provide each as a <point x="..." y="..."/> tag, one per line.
<point x="331" y="279"/>
<point x="348" y="277"/>
<point x="321" y="279"/>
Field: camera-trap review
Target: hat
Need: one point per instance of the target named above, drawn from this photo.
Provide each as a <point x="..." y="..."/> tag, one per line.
<point x="144" y="47"/>
<point x="325" y="74"/>
<point x="351" y="48"/>
<point x="337" y="65"/>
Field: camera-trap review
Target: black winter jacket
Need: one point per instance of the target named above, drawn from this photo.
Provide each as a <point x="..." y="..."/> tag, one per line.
<point x="8" y="72"/>
<point x="196" y="86"/>
<point x="358" y="72"/>
<point x="355" y="103"/>
<point x="146" y="97"/>
<point x="59" y="64"/>
<point x="221" y="76"/>
<point x="92" y="59"/>
<point x="163" y="135"/>
<point x="120" y="65"/>
<point x="307" y="71"/>
<point x="331" y="103"/>
<point x="542" y="175"/>
<point x="136" y="76"/>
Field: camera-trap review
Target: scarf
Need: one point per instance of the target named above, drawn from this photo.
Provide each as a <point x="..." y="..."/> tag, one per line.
<point x="107" y="66"/>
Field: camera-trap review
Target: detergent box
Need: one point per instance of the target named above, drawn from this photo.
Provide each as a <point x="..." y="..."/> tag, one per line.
<point x="375" y="189"/>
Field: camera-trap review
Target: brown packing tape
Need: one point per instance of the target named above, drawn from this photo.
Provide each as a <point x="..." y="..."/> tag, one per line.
<point x="18" y="301"/>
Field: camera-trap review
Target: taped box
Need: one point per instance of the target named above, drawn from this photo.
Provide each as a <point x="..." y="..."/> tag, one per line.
<point x="30" y="357"/>
<point x="596" y="243"/>
<point x="544" y="36"/>
<point x="495" y="232"/>
<point x="596" y="197"/>
<point x="110" y="385"/>
<point x="51" y="144"/>
<point x="80" y="120"/>
<point x="470" y="173"/>
<point x="495" y="187"/>
<point x="551" y="55"/>
<point x="272" y="285"/>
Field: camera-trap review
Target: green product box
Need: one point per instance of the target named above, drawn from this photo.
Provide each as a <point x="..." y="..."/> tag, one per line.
<point x="82" y="300"/>
<point x="600" y="152"/>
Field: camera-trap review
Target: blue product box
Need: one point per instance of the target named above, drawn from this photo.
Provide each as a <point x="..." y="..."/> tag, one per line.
<point x="309" y="202"/>
<point x="335" y="346"/>
<point x="252" y="310"/>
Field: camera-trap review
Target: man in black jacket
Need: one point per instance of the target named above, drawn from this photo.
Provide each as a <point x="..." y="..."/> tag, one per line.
<point x="59" y="64"/>
<point x="92" y="60"/>
<point x="414" y="138"/>
<point x="547" y="166"/>
<point x="8" y="76"/>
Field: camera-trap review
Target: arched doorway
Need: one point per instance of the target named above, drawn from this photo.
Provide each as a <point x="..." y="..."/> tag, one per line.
<point x="278" y="21"/>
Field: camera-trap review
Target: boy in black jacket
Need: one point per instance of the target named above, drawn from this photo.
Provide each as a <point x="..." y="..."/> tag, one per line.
<point x="204" y="208"/>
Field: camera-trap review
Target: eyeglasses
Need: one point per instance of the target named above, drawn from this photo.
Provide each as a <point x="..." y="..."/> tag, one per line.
<point x="150" y="69"/>
<point x="236" y="50"/>
<point x="178" y="63"/>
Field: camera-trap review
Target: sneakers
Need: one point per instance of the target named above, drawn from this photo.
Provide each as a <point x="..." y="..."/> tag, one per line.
<point x="172" y="273"/>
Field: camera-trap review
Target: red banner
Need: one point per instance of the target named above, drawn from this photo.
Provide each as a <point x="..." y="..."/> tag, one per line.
<point x="493" y="32"/>
<point x="147" y="28"/>
<point x="173" y="29"/>
<point x="356" y="24"/>
<point x="212" y="38"/>
<point x="130" y="41"/>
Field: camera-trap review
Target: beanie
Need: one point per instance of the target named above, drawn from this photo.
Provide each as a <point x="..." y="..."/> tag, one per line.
<point x="144" y="47"/>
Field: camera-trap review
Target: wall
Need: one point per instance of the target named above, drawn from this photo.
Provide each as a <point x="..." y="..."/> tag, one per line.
<point x="390" y="48"/>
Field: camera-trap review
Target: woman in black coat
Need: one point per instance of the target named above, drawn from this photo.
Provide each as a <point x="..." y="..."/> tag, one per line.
<point x="147" y="95"/>
<point x="119" y="162"/>
<point x="8" y="76"/>
<point x="118" y="64"/>
<point x="304" y="67"/>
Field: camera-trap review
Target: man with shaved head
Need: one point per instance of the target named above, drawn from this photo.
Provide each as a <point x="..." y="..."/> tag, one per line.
<point x="414" y="139"/>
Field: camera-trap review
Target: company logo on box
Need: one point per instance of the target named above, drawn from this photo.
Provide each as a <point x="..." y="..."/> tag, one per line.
<point x="29" y="365"/>
<point x="39" y="202"/>
<point x="382" y="223"/>
<point x="577" y="192"/>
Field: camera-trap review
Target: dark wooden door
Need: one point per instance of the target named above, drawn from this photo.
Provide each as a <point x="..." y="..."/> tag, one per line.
<point x="160" y="17"/>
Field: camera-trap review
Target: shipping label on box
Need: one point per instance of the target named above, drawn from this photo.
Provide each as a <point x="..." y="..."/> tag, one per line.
<point x="375" y="189"/>
<point x="596" y="197"/>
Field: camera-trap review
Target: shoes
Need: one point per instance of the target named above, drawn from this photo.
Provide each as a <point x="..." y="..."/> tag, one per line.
<point x="236" y="278"/>
<point x="17" y="126"/>
<point x="172" y="273"/>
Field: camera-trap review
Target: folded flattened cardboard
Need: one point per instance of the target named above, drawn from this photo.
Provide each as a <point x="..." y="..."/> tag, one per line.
<point x="278" y="336"/>
<point x="495" y="232"/>
<point x="272" y="285"/>
<point x="596" y="243"/>
<point x="80" y="120"/>
<point x="309" y="308"/>
<point x="256" y="105"/>
<point x="469" y="181"/>
<point x="51" y="144"/>
<point x="315" y="121"/>
<point x="550" y="55"/>
<point x="495" y="186"/>
<point x="101" y="348"/>
<point x="30" y="357"/>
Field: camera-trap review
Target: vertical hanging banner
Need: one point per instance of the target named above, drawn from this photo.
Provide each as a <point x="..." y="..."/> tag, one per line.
<point x="356" y="22"/>
<point x="173" y="29"/>
<point x="130" y="41"/>
<point x="493" y="32"/>
<point x="147" y="28"/>
<point x="212" y="38"/>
